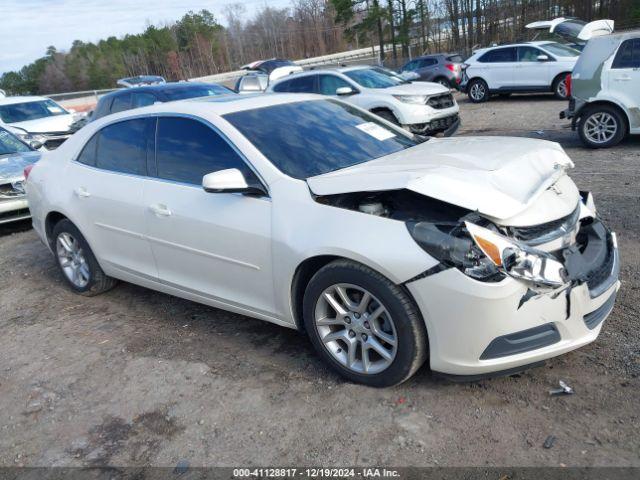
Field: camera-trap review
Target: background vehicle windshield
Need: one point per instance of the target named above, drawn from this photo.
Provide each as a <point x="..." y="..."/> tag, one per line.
<point x="561" y="50"/>
<point x="304" y="139"/>
<point x="369" y="78"/>
<point x="195" y="92"/>
<point x="10" y="144"/>
<point x="22" y="112"/>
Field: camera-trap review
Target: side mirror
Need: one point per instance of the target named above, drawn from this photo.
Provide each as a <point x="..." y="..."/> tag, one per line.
<point x="345" y="91"/>
<point x="543" y="58"/>
<point x="230" y="180"/>
<point x="36" y="145"/>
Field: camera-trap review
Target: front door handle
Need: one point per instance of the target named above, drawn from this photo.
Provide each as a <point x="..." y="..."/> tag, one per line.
<point x="160" y="210"/>
<point x="81" y="192"/>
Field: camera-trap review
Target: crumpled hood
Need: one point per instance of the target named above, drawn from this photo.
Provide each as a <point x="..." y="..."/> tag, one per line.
<point x="496" y="176"/>
<point x="58" y="123"/>
<point x="12" y="165"/>
<point x="417" y="88"/>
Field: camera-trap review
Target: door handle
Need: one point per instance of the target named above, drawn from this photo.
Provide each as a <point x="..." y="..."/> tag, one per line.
<point x="81" y="192"/>
<point x="623" y="79"/>
<point x="160" y="210"/>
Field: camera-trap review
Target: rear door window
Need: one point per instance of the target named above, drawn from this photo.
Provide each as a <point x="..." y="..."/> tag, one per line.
<point x="121" y="103"/>
<point x="142" y="99"/>
<point x="306" y="84"/>
<point x="529" y="54"/>
<point x="187" y="150"/>
<point x="628" y="55"/>
<point x="499" y="55"/>
<point x="427" y="62"/>
<point x="122" y="147"/>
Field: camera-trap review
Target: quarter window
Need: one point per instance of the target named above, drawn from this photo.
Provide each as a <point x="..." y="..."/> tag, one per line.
<point x="88" y="153"/>
<point x="628" y="55"/>
<point x="499" y="55"/>
<point x="187" y="150"/>
<point x="122" y="146"/>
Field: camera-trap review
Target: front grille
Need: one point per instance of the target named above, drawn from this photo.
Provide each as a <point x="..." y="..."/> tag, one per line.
<point x="11" y="190"/>
<point x="546" y="232"/>
<point x="440" y="102"/>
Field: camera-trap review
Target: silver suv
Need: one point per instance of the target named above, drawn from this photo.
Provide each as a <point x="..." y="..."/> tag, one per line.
<point x="605" y="90"/>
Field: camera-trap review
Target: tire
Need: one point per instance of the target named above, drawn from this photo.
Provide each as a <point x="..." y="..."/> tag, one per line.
<point x="387" y="115"/>
<point x="90" y="279"/>
<point x="399" y="330"/>
<point x="559" y="87"/>
<point x="613" y="123"/>
<point x="478" y="90"/>
<point x="443" y="81"/>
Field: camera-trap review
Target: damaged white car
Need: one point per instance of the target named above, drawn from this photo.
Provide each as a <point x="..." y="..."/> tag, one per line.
<point x="479" y="255"/>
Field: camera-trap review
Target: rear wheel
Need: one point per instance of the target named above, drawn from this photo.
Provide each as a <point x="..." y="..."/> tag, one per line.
<point x="363" y="325"/>
<point x="77" y="263"/>
<point x="478" y="91"/>
<point x="602" y="126"/>
<point x="444" y="82"/>
<point x="560" y="89"/>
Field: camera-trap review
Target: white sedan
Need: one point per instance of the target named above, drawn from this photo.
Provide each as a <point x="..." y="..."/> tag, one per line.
<point x="388" y="250"/>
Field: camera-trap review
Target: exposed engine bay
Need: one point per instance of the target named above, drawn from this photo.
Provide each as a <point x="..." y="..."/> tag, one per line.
<point x="549" y="257"/>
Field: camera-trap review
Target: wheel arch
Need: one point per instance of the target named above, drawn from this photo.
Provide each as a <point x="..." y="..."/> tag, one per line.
<point x="612" y="104"/>
<point x="51" y="220"/>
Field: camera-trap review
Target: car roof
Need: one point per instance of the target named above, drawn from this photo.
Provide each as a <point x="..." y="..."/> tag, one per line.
<point x="214" y="106"/>
<point x="25" y="99"/>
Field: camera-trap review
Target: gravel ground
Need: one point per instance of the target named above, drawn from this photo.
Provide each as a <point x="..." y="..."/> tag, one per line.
<point x="135" y="377"/>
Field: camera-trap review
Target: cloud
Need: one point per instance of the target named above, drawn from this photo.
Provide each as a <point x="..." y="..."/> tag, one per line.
<point x="30" y="26"/>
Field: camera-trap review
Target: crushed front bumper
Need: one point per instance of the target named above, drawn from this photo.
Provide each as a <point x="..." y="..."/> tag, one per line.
<point x="476" y="328"/>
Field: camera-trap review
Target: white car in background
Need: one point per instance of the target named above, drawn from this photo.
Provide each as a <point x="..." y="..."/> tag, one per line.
<point x="387" y="248"/>
<point x="518" y="68"/>
<point x="37" y="119"/>
<point x="423" y="108"/>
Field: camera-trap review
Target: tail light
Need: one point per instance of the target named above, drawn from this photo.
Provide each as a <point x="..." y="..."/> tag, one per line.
<point x="27" y="171"/>
<point x="568" y="84"/>
<point x="451" y="67"/>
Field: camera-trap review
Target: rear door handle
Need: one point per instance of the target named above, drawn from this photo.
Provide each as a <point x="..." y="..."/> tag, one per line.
<point x="81" y="192"/>
<point x="623" y="79"/>
<point x="160" y="210"/>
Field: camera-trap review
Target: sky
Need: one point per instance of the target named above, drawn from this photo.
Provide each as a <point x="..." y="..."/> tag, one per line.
<point x="30" y="26"/>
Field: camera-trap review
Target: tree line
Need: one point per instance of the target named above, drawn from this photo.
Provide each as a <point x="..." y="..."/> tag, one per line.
<point x="198" y="44"/>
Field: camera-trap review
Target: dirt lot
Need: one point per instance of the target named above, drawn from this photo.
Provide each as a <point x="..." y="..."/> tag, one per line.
<point x="135" y="377"/>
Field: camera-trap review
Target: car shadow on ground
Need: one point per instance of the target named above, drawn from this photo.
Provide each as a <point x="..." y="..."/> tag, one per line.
<point x="15" y="227"/>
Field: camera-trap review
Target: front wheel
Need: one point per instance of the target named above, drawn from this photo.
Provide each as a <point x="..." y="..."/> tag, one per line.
<point x="363" y="325"/>
<point x="77" y="262"/>
<point x="601" y="127"/>
<point x="478" y="91"/>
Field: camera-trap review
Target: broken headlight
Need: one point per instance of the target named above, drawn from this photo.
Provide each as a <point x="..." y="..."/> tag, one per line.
<point x="535" y="267"/>
<point x="452" y="246"/>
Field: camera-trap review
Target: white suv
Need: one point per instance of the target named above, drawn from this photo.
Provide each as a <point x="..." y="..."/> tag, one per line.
<point x="519" y="68"/>
<point x="424" y="108"/>
<point x="605" y="90"/>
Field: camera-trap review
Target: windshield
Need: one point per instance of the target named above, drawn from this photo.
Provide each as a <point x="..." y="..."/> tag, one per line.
<point x="22" y="112"/>
<point x="561" y="50"/>
<point x="194" y="92"/>
<point x="10" y="144"/>
<point x="391" y="74"/>
<point x="369" y="78"/>
<point x="309" y="138"/>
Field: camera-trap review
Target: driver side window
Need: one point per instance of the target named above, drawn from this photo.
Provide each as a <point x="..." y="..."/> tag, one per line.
<point x="330" y="83"/>
<point x="187" y="150"/>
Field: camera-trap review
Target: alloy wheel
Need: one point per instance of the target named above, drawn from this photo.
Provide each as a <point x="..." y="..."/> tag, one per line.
<point x="356" y="328"/>
<point x="562" y="90"/>
<point x="72" y="260"/>
<point x="600" y="127"/>
<point x="477" y="91"/>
